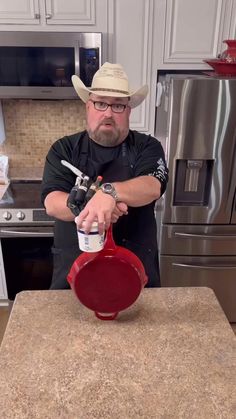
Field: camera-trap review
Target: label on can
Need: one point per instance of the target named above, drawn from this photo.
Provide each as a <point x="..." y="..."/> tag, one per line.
<point x="91" y="242"/>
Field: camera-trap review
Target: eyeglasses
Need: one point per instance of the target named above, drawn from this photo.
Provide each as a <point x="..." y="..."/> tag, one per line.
<point x="102" y="106"/>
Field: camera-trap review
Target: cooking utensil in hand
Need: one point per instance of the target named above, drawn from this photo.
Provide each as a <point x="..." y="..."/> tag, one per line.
<point x="108" y="281"/>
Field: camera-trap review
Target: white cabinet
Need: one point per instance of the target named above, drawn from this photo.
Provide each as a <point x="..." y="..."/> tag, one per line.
<point x="21" y="12"/>
<point x="192" y="30"/>
<point x="73" y="12"/>
<point x="130" y="44"/>
<point x="52" y="14"/>
<point x="149" y="35"/>
<point x="232" y="29"/>
<point x="3" y="285"/>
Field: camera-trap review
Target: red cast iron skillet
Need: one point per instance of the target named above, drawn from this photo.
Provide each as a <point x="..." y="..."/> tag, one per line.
<point x="107" y="281"/>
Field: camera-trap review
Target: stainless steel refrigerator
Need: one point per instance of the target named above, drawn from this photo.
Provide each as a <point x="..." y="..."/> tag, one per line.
<point x="196" y="122"/>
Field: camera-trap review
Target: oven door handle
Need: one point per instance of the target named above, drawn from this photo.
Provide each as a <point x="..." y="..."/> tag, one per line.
<point x="25" y="233"/>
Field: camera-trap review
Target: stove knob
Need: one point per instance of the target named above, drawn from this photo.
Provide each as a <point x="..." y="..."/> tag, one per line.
<point x="6" y="215"/>
<point x="20" y="215"/>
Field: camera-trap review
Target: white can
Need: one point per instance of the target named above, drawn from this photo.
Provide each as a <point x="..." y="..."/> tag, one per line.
<point x="91" y="242"/>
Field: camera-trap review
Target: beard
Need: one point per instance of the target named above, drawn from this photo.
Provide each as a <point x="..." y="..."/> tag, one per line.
<point x="108" y="137"/>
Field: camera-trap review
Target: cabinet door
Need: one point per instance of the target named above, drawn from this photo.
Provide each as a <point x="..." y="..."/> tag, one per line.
<point x="54" y="15"/>
<point x="19" y="12"/>
<point x="73" y="12"/>
<point x="232" y="31"/>
<point x="3" y="286"/>
<point x="195" y="29"/>
<point x="131" y="24"/>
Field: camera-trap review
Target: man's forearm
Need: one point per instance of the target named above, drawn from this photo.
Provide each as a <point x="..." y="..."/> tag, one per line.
<point x="134" y="192"/>
<point x="56" y="206"/>
<point x="139" y="191"/>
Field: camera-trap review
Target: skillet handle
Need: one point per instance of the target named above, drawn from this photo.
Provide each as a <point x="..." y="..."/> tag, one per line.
<point x="104" y="316"/>
<point x="109" y="241"/>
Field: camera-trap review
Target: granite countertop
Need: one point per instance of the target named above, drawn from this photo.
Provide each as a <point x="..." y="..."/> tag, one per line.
<point x="171" y="355"/>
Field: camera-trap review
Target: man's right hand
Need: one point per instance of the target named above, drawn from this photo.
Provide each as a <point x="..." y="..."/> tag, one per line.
<point x="101" y="208"/>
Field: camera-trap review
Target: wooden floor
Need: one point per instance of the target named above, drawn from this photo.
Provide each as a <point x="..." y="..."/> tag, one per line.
<point x="5" y="313"/>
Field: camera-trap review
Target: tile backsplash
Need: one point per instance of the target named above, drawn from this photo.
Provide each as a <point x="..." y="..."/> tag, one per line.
<point x="31" y="126"/>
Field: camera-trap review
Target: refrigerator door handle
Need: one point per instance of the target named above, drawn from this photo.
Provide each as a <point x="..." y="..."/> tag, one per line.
<point x="205" y="236"/>
<point x="210" y="267"/>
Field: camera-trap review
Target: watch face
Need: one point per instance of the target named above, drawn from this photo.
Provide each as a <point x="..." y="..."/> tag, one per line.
<point x="108" y="187"/>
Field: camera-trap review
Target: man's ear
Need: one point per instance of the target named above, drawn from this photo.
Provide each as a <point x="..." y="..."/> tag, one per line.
<point x="87" y="105"/>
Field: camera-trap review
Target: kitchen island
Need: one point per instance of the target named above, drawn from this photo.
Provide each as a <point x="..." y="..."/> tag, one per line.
<point x="171" y="355"/>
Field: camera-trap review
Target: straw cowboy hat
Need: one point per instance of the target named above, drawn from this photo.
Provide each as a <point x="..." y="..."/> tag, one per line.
<point x="110" y="80"/>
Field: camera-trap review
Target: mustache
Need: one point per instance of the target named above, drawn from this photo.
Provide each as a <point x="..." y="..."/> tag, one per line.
<point x="107" y="121"/>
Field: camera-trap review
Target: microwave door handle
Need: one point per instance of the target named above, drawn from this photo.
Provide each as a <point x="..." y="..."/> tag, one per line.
<point x="205" y="267"/>
<point x="205" y="236"/>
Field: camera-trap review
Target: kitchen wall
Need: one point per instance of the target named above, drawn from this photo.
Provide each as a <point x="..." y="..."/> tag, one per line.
<point x="31" y="126"/>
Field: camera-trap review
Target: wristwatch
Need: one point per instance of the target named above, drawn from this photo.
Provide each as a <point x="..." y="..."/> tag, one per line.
<point x="109" y="189"/>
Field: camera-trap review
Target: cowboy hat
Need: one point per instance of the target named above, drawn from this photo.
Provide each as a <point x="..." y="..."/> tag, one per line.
<point x="110" y="80"/>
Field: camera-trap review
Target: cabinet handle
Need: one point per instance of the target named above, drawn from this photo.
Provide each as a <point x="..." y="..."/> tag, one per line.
<point x="37" y="16"/>
<point x="48" y="16"/>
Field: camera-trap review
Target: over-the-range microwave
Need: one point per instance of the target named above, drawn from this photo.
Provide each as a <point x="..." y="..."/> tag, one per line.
<point x="39" y="65"/>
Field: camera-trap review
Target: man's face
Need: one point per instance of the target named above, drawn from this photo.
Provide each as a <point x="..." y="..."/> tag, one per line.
<point x="106" y="127"/>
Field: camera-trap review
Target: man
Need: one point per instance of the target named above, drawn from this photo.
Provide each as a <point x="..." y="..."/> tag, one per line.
<point x="133" y="170"/>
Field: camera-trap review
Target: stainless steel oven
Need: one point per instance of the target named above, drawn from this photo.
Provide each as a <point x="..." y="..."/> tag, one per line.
<point x="26" y="234"/>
